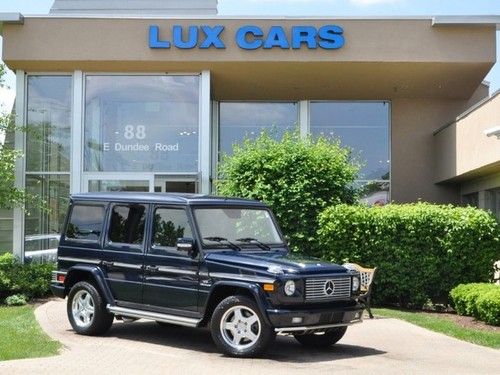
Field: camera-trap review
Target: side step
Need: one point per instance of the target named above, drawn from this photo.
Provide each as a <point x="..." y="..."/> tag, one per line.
<point x="165" y="318"/>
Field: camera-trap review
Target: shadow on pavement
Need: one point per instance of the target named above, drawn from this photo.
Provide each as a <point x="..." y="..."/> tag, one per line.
<point x="285" y="349"/>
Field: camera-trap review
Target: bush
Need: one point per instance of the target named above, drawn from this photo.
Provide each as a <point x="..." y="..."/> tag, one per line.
<point x="421" y="250"/>
<point x="488" y="306"/>
<point x="32" y="280"/>
<point x="297" y="177"/>
<point x="16" y="300"/>
<point x="482" y="301"/>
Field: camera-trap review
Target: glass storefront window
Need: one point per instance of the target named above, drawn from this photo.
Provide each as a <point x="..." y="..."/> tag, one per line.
<point x="363" y="126"/>
<point x="492" y="202"/>
<point x="240" y="120"/>
<point x="141" y="123"/>
<point x="118" y="185"/>
<point x="48" y="136"/>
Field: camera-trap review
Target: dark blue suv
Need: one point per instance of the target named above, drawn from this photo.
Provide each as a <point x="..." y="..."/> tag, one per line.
<point x="197" y="261"/>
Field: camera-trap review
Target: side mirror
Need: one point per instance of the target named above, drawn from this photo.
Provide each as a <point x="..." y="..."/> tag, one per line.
<point x="186" y="245"/>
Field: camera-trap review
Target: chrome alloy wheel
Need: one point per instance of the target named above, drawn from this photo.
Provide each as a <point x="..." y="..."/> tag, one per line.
<point x="240" y="327"/>
<point x="83" y="309"/>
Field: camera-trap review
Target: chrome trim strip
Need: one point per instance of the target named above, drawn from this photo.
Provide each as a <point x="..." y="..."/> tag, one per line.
<point x="55" y="274"/>
<point x="165" y="318"/>
<point x="127" y="265"/>
<point x="309" y="328"/>
<point x="253" y="278"/>
<point x="79" y="260"/>
<point x="175" y="270"/>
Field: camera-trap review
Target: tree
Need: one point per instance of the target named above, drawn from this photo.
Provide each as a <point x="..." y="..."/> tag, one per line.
<point x="297" y="177"/>
<point x="10" y="195"/>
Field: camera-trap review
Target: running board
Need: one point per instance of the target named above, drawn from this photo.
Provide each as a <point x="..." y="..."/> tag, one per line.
<point x="164" y="318"/>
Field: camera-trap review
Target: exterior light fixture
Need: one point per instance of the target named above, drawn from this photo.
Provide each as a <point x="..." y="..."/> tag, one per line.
<point x="493" y="132"/>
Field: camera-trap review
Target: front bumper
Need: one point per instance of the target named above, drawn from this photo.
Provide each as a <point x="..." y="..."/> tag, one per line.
<point x="295" y="321"/>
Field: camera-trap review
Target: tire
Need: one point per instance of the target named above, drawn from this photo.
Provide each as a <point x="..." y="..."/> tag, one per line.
<point x="323" y="340"/>
<point x="247" y="334"/>
<point x="86" y="310"/>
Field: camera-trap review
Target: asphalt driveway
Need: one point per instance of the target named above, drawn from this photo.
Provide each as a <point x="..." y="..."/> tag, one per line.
<point x="385" y="346"/>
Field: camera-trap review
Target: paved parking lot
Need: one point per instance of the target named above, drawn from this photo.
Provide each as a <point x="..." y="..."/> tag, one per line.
<point x="385" y="346"/>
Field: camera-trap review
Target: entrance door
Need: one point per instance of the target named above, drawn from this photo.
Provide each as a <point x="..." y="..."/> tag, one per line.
<point x="176" y="184"/>
<point x="109" y="182"/>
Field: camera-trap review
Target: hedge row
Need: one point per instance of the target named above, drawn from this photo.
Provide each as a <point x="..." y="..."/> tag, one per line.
<point x="482" y="301"/>
<point x="31" y="280"/>
<point x="421" y="250"/>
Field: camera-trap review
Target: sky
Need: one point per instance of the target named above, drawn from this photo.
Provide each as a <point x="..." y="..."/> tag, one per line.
<point x="325" y="8"/>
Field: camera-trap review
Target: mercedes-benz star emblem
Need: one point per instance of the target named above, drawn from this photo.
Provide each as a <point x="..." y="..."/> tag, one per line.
<point x="329" y="287"/>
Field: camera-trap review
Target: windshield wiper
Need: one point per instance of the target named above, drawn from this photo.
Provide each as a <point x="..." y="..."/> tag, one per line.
<point x="223" y="240"/>
<point x="260" y="244"/>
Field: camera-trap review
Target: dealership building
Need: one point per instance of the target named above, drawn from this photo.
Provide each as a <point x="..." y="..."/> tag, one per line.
<point x="147" y="95"/>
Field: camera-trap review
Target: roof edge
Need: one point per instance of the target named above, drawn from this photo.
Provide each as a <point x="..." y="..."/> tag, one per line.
<point x="484" y="20"/>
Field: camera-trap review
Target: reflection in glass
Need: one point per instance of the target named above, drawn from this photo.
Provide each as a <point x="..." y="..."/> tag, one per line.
<point x="374" y="193"/>
<point x="141" y="123"/>
<point x="168" y="226"/>
<point x="240" y="120"/>
<point x="96" y="186"/>
<point x="49" y="124"/>
<point x="363" y="126"/>
<point x="85" y="223"/>
<point x="42" y="228"/>
<point x="127" y="224"/>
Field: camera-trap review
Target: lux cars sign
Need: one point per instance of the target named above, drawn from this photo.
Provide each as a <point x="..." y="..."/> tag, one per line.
<point x="249" y="37"/>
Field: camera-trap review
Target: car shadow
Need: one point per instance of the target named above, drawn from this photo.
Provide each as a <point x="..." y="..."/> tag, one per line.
<point x="285" y="349"/>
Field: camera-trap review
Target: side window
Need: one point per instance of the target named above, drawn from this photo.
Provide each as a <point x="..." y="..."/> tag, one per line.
<point x="127" y="224"/>
<point x="85" y="223"/>
<point x="170" y="224"/>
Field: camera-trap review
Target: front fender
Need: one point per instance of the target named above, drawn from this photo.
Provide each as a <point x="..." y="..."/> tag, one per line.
<point x="254" y="289"/>
<point x="96" y="275"/>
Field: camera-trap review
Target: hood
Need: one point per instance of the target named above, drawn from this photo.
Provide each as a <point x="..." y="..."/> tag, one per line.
<point x="273" y="260"/>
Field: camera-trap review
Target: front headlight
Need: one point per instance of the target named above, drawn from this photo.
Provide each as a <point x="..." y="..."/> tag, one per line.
<point x="290" y="288"/>
<point x="355" y="284"/>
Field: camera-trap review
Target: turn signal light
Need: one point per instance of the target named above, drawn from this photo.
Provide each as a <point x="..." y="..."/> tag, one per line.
<point x="61" y="278"/>
<point x="269" y="287"/>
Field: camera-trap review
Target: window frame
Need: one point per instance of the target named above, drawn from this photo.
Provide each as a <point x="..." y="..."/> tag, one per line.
<point x="120" y="246"/>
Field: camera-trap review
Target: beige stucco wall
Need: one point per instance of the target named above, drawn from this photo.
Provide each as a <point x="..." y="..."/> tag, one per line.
<point x="464" y="151"/>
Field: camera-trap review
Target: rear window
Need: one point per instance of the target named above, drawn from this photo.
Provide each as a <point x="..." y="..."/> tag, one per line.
<point x="85" y="223"/>
<point x="127" y="224"/>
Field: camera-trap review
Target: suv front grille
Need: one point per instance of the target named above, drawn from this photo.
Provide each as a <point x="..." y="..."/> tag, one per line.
<point x="328" y="289"/>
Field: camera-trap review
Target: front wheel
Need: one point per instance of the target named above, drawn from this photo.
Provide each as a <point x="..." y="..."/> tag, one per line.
<point x="238" y="328"/>
<point x="322" y="340"/>
<point x="87" y="310"/>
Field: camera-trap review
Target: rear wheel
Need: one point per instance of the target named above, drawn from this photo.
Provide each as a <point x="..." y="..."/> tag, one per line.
<point x="87" y="310"/>
<point x="322" y="340"/>
<point x="238" y="328"/>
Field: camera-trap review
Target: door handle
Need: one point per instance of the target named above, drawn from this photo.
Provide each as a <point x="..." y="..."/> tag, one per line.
<point x="107" y="264"/>
<point x="152" y="268"/>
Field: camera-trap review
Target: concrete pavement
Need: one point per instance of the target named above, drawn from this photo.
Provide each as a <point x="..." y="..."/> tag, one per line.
<point x="385" y="346"/>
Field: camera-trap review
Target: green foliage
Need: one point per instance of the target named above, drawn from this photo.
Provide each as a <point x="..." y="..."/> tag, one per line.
<point x="16" y="300"/>
<point x="297" y="177"/>
<point x="421" y="250"/>
<point x="480" y="300"/>
<point x="32" y="280"/>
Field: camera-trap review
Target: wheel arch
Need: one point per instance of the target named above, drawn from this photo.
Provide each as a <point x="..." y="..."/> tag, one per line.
<point x="223" y="289"/>
<point x="91" y="274"/>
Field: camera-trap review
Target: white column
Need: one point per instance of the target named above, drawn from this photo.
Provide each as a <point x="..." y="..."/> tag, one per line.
<point x="76" y="170"/>
<point x="215" y="143"/>
<point x="304" y="117"/>
<point x="205" y="132"/>
<point x="18" y="233"/>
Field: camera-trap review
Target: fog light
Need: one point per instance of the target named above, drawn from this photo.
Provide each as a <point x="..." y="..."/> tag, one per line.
<point x="355" y="284"/>
<point x="290" y="288"/>
<point x="297" y="320"/>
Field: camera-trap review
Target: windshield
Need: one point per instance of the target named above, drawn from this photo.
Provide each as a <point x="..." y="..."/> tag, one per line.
<point x="236" y="225"/>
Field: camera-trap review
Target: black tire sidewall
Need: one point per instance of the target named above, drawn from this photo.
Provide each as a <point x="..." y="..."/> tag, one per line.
<point x="102" y="318"/>
<point x="267" y="334"/>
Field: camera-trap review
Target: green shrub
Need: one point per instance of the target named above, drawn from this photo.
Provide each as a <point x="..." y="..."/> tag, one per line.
<point x="16" y="300"/>
<point x="32" y="280"/>
<point x="421" y="250"/>
<point x="464" y="297"/>
<point x="297" y="177"/>
<point x="488" y="306"/>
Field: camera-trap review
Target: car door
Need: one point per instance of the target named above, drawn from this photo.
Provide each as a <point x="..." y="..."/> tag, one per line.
<point x="123" y="253"/>
<point x="170" y="275"/>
